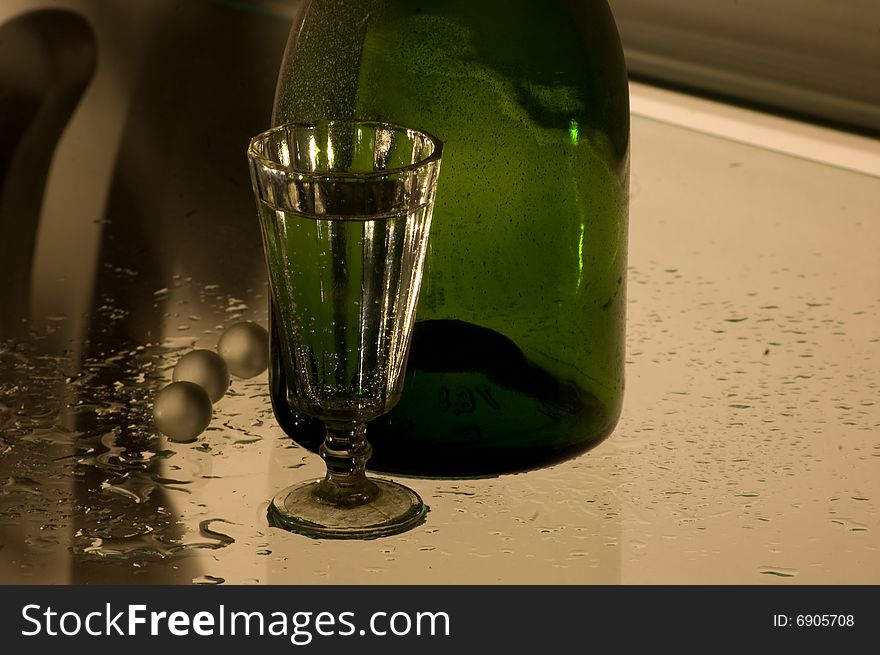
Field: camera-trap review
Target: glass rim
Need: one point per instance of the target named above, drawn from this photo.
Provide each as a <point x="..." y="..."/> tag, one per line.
<point x="270" y="163"/>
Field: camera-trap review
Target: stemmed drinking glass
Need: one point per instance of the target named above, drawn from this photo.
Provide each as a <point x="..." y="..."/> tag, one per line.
<point x="345" y="210"/>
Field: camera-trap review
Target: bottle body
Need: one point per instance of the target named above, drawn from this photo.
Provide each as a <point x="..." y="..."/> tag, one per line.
<point x="517" y="353"/>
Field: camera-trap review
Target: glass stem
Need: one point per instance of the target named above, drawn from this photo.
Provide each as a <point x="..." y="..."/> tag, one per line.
<point x="345" y="451"/>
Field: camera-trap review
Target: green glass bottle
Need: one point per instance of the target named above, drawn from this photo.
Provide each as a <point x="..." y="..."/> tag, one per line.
<point x="518" y="350"/>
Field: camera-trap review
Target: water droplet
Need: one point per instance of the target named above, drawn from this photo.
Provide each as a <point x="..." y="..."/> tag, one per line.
<point x="208" y="579"/>
<point x="206" y="531"/>
<point x="853" y="526"/>
<point x="20" y="485"/>
<point x="778" y="571"/>
<point x="177" y="343"/>
<point x="134" y="546"/>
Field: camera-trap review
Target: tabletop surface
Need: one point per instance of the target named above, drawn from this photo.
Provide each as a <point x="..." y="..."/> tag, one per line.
<point x="748" y="451"/>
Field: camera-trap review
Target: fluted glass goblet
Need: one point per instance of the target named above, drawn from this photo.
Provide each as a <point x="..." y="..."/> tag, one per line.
<point x="345" y="211"/>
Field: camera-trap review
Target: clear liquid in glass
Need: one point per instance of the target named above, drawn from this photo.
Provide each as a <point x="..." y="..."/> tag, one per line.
<point x="345" y="292"/>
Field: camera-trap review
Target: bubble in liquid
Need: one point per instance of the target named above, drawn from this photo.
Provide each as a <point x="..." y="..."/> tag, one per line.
<point x="245" y="347"/>
<point x="182" y="411"/>
<point x="206" y="369"/>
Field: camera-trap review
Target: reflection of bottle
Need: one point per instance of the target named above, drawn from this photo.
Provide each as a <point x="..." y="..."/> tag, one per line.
<point x="517" y="357"/>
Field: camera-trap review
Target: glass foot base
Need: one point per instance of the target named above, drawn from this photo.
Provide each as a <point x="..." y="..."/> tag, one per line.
<point x="396" y="509"/>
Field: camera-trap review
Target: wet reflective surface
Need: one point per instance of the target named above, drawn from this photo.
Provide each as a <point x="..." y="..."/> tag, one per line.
<point x="749" y="449"/>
